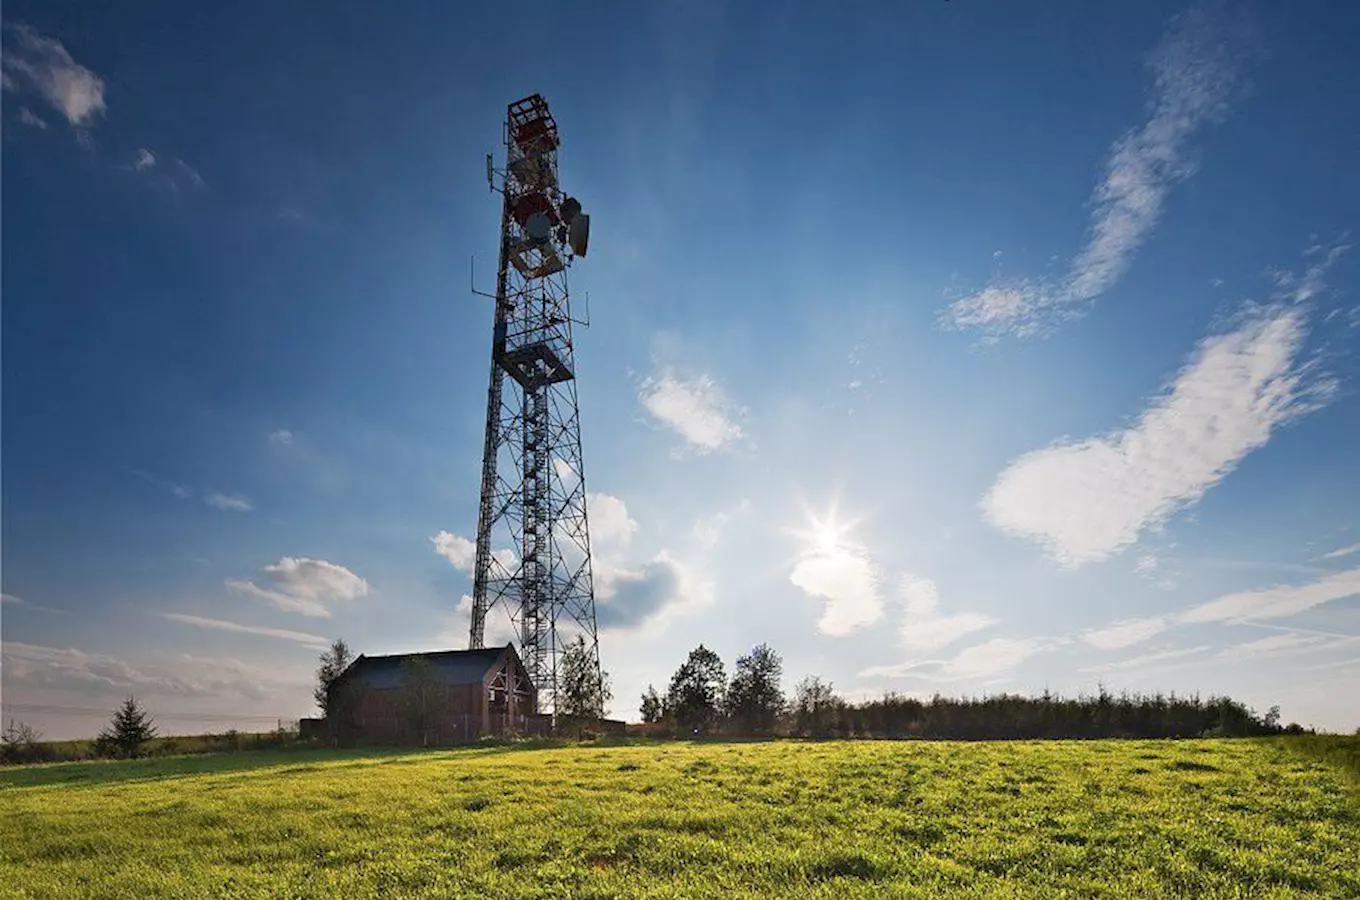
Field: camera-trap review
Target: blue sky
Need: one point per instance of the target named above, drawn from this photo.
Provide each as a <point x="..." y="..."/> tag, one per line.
<point x="953" y="347"/>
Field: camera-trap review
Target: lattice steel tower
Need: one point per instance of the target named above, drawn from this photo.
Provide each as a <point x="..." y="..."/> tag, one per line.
<point x="533" y="542"/>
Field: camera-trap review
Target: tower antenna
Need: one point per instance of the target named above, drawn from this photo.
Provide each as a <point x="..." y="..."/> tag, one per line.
<point x="533" y="539"/>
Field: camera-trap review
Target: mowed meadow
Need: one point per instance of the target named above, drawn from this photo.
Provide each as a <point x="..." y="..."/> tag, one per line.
<point x="1197" y="818"/>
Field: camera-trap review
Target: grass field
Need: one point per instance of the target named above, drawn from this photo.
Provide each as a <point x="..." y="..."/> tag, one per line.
<point x="1244" y="818"/>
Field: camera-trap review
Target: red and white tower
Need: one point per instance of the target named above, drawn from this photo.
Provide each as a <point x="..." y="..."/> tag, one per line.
<point x="533" y="541"/>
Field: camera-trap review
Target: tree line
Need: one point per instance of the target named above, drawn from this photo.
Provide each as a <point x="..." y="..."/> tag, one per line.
<point x="701" y="700"/>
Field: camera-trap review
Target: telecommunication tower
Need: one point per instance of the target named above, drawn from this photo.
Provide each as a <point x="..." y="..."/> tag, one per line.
<point x="533" y="541"/>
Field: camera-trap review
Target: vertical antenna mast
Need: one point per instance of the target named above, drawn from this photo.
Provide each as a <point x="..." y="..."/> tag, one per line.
<point x="533" y="542"/>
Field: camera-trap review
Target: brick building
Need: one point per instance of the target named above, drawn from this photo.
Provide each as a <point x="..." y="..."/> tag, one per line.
<point x="483" y="692"/>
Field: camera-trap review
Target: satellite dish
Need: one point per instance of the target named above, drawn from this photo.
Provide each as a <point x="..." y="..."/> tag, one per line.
<point x="538" y="228"/>
<point x="571" y="208"/>
<point x="579" y="233"/>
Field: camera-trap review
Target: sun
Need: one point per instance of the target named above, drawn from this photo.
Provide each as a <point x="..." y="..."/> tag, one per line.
<point x="826" y="535"/>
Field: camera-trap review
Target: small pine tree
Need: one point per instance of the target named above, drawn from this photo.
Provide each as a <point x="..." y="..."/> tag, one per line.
<point x="653" y="710"/>
<point x="585" y="690"/>
<point x="129" y="728"/>
<point x="334" y="661"/>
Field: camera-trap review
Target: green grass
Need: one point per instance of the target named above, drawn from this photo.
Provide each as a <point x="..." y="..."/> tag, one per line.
<point x="1233" y="818"/>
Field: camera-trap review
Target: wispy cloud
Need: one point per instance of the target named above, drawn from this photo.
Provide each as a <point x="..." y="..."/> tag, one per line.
<point x="1125" y="633"/>
<point x="1341" y="551"/>
<point x="1085" y="501"/>
<point x="923" y="626"/>
<point x="145" y="160"/>
<point x="181" y="491"/>
<point x="39" y="65"/>
<point x="281" y="438"/>
<point x="1156" y="660"/>
<point x="12" y="600"/>
<point x="1282" y="645"/>
<point x="695" y="408"/>
<point x="302" y="585"/>
<point x="228" y="502"/>
<point x="100" y="675"/>
<point x="1195" y="69"/>
<point x="980" y="661"/>
<point x="708" y="531"/>
<point x="299" y="637"/>
<point x="28" y="117"/>
<point x="1276" y="602"/>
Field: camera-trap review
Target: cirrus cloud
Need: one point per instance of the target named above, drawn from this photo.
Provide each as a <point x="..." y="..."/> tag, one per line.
<point x="1085" y="501"/>
<point x="303" y="585"/>
<point x="40" y="65"/>
<point x="1195" y="69"/>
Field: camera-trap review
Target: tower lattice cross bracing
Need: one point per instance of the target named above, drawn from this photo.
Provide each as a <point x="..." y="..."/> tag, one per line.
<point x="533" y="540"/>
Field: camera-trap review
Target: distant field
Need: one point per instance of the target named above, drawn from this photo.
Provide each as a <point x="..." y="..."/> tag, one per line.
<point x="1210" y="818"/>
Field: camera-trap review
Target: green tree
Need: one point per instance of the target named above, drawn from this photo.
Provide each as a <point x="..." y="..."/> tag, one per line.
<point x="128" y="730"/>
<point x="814" y="707"/>
<point x="755" y="698"/>
<point x="695" y="695"/>
<point x="21" y="743"/>
<point x="339" y="700"/>
<point x="424" y="693"/>
<point x="333" y="662"/>
<point x="653" y="710"/>
<point x="585" y="690"/>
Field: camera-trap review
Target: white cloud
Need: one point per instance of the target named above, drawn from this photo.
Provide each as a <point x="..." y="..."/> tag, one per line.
<point x="300" y="637"/>
<point x="305" y="586"/>
<point x="610" y="524"/>
<point x="40" y="65"/>
<point x="1340" y="552"/>
<point x="458" y="550"/>
<point x="94" y="674"/>
<point x="980" y="661"/>
<point x="697" y="409"/>
<point x="922" y="627"/>
<point x="1195" y="68"/>
<point x="1125" y="633"/>
<point x="1278" y="645"/>
<point x="462" y="553"/>
<point x="179" y="490"/>
<point x="1158" y="659"/>
<point x="627" y="598"/>
<point x="709" y="530"/>
<point x="189" y="172"/>
<point x="497" y="631"/>
<point x="1084" y="501"/>
<point x="13" y="600"/>
<point x="845" y="577"/>
<point x="1276" y="602"/>
<point x="1147" y="565"/>
<point x="145" y="160"/>
<point x="281" y="438"/>
<point x="227" y="502"/>
<point x="28" y="117"/>
<point x="991" y="657"/>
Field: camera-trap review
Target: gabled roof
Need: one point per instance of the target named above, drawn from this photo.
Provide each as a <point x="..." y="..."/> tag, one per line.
<point x="455" y="666"/>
